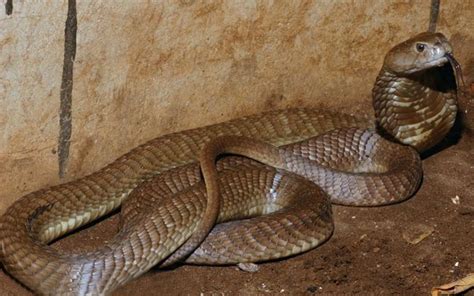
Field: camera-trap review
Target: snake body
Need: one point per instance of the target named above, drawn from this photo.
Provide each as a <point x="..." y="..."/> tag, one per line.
<point x="414" y="96"/>
<point x="159" y="185"/>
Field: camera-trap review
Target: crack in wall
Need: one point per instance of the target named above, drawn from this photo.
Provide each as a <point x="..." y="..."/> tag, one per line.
<point x="434" y="13"/>
<point x="65" y="123"/>
<point x="9" y="7"/>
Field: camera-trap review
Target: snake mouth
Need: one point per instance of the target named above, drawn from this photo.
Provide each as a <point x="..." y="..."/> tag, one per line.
<point x="436" y="63"/>
<point x="448" y="57"/>
<point x="439" y="62"/>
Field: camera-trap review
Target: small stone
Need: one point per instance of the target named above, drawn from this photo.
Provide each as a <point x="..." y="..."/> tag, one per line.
<point x="248" y="267"/>
<point x="456" y="200"/>
<point x="416" y="233"/>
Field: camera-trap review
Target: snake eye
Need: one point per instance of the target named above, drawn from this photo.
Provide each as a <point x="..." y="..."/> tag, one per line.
<point x="420" y="47"/>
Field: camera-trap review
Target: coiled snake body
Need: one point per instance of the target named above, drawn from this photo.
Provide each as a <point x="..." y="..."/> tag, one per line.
<point x="163" y="198"/>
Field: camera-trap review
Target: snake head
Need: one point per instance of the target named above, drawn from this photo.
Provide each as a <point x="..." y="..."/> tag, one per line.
<point x="422" y="52"/>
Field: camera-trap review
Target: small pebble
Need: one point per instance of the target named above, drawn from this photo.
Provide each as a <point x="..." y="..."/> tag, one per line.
<point x="456" y="200"/>
<point x="248" y="267"/>
<point x="416" y="233"/>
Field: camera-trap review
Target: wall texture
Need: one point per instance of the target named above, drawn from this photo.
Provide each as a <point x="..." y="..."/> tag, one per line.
<point x="145" y="68"/>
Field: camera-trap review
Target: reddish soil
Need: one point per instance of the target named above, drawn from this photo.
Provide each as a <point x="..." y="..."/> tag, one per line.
<point x="368" y="253"/>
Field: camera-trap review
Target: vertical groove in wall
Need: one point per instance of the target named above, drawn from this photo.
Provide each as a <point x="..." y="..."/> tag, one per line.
<point x="65" y="123"/>
<point x="434" y="13"/>
<point x="9" y="7"/>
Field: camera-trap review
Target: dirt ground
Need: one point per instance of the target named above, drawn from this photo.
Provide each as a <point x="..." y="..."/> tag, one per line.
<point x="369" y="253"/>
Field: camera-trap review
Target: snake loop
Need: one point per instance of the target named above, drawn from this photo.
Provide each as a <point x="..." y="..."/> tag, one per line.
<point x="263" y="212"/>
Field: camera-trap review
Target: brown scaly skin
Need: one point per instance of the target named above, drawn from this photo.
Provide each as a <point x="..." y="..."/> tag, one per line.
<point x="414" y="97"/>
<point x="154" y="225"/>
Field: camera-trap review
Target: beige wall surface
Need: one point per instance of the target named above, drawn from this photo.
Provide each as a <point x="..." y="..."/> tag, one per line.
<point x="145" y="68"/>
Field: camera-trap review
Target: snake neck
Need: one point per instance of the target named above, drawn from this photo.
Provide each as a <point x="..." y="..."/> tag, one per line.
<point x="417" y="109"/>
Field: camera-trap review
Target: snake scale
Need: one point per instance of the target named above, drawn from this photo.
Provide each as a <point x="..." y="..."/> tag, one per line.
<point x="267" y="206"/>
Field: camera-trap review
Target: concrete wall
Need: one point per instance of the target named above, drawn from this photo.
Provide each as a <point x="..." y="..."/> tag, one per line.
<point x="145" y="68"/>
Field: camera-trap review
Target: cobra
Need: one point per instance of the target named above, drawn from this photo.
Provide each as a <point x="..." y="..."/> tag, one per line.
<point x="167" y="209"/>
